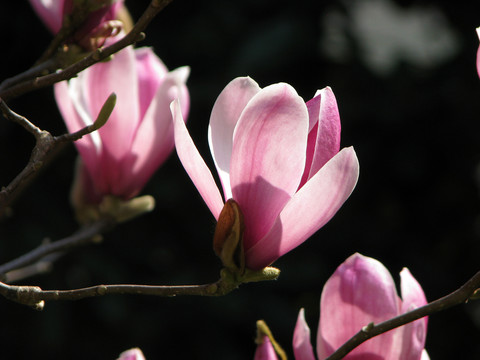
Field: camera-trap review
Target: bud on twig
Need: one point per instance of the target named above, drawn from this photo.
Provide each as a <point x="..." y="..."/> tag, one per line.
<point x="228" y="238"/>
<point x="105" y="111"/>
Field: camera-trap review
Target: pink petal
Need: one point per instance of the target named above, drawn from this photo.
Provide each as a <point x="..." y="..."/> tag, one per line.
<point x="324" y="133"/>
<point x="265" y="350"/>
<point x="225" y="114"/>
<point x="95" y="29"/>
<point x="132" y="354"/>
<point x="71" y="103"/>
<point x="302" y="347"/>
<point x="51" y="13"/>
<point x="414" y="334"/>
<point x="309" y="209"/>
<point x="150" y="73"/>
<point x="118" y="75"/>
<point x="359" y="292"/>
<point x="154" y="140"/>
<point x="478" y="53"/>
<point x="268" y="157"/>
<point x="193" y="163"/>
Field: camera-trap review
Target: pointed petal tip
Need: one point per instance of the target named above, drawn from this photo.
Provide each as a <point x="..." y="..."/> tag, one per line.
<point x="182" y="73"/>
<point x="302" y="346"/>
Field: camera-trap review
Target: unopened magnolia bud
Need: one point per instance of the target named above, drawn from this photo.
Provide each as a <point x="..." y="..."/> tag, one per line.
<point x="111" y="207"/>
<point x="105" y="111"/>
<point x="228" y="238"/>
<point x="122" y="210"/>
<point x="267" y="273"/>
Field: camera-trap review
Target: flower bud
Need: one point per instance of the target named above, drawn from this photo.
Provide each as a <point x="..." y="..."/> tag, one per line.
<point x="228" y="237"/>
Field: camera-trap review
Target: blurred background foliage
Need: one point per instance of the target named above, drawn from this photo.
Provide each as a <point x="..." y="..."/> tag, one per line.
<point x="406" y="83"/>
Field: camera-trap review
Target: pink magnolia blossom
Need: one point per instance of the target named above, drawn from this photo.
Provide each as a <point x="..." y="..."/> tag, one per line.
<point x="278" y="158"/>
<point x="361" y="291"/>
<point x="132" y="354"/>
<point x="100" y="24"/>
<point x="478" y="53"/>
<point x="120" y="157"/>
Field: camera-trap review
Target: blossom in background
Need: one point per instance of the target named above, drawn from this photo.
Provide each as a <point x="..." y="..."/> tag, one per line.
<point x="362" y="291"/>
<point x="278" y="158"/>
<point x="100" y="24"/>
<point x="120" y="157"/>
<point x="478" y="53"/>
<point x="132" y="354"/>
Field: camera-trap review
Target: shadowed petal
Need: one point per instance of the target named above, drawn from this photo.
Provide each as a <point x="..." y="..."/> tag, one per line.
<point x="71" y="102"/>
<point x="194" y="164"/>
<point x="268" y="156"/>
<point x="154" y="141"/>
<point x="308" y="210"/>
<point x="150" y="72"/>
<point x="225" y="114"/>
<point x="117" y="75"/>
<point x="302" y="346"/>
<point x="51" y="12"/>
<point x="359" y="292"/>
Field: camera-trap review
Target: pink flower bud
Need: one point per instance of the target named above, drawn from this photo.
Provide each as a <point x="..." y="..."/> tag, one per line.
<point x="278" y="158"/>
<point x="101" y="22"/>
<point x="121" y="156"/>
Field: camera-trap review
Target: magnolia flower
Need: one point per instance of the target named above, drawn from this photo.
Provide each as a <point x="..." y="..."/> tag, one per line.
<point x="132" y="354"/>
<point x="100" y="23"/>
<point x="478" y="53"/>
<point x="278" y="158"/>
<point x="120" y="157"/>
<point x="362" y="291"/>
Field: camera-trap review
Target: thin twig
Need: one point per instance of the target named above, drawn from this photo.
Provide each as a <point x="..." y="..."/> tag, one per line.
<point x="40" y="267"/>
<point x="83" y="236"/>
<point x="136" y="34"/>
<point x="42" y="68"/>
<point x="19" y="119"/>
<point x="69" y="25"/>
<point x="459" y="296"/>
<point x="44" y="143"/>
<point x="45" y="146"/>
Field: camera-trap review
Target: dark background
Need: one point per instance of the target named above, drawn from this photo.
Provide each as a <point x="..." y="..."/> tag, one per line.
<point x="413" y="120"/>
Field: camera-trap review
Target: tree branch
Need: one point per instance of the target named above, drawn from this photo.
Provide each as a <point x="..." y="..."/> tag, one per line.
<point x="136" y="34"/>
<point x="459" y="296"/>
<point x="84" y="236"/>
<point x="37" y="70"/>
<point x="44" y="148"/>
<point x="35" y="297"/>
